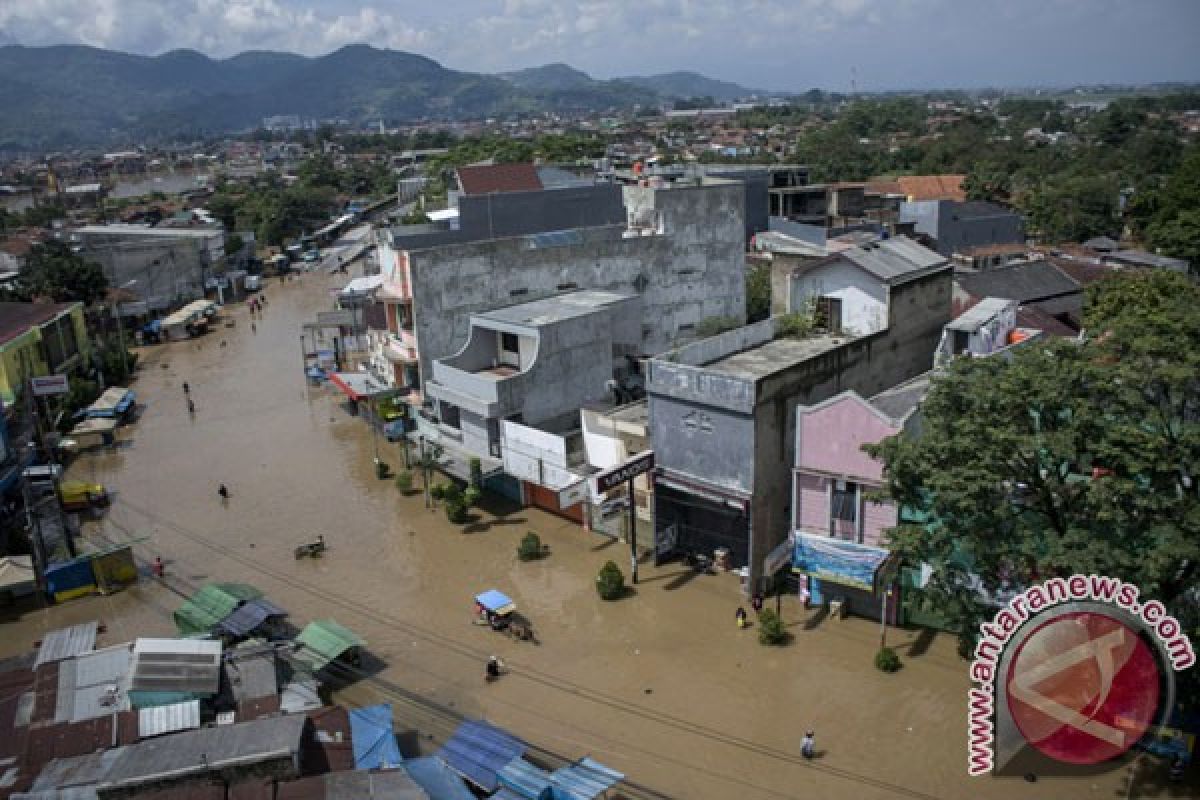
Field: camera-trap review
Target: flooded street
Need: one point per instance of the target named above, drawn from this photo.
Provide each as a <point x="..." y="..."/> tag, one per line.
<point x="660" y="685"/>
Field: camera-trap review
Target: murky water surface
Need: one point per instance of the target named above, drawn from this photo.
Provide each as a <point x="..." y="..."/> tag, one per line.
<point x="661" y="685"/>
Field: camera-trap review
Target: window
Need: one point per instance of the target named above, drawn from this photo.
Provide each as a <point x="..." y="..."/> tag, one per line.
<point x="843" y="511"/>
<point x="829" y="313"/>
<point x="508" y="343"/>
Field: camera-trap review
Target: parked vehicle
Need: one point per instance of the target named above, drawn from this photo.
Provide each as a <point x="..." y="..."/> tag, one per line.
<point x="253" y="283"/>
<point x="82" y="496"/>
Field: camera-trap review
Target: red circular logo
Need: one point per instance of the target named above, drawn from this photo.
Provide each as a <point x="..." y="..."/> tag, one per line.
<point x="1083" y="687"/>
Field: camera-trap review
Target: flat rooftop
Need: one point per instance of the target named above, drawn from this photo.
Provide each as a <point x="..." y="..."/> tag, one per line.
<point x="550" y="310"/>
<point x="774" y="356"/>
<point x="120" y="229"/>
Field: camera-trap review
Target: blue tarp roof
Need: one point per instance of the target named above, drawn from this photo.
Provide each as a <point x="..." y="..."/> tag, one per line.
<point x="438" y="780"/>
<point x="373" y="737"/>
<point x="477" y="751"/>
<point x="585" y="779"/>
<point x="245" y="619"/>
<point x="524" y="779"/>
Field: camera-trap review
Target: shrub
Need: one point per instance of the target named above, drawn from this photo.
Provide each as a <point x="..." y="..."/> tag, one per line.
<point x="476" y="473"/>
<point x="438" y="491"/>
<point x="795" y="326"/>
<point x="610" y="583"/>
<point x="770" y="628"/>
<point x="886" y="660"/>
<point x="530" y="548"/>
<point x="471" y="495"/>
<point x="404" y="480"/>
<point x="713" y="326"/>
<point x="382" y="469"/>
<point x="456" y="511"/>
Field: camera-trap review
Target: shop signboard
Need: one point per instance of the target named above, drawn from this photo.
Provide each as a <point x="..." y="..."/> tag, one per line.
<point x="49" y="385"/>
<point x="640" y="464"/>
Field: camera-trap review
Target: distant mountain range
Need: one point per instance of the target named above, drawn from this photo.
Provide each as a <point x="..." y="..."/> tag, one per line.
<point x="70" y="95"/>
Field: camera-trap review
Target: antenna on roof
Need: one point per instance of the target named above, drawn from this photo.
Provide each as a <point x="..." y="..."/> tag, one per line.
<point x="853" y="80"/>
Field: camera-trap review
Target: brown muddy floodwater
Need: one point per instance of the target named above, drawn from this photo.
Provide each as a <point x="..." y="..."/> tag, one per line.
<point x="661" y="685"/>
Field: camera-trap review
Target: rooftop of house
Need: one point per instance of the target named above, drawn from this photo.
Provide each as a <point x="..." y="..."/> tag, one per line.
<point x="1141" y="258"/>
<point x="774" y="356"/>
<point x="491" y="178"/>
<point x="932" y="187"/>
<point x="1035" y="280"/>
<point x="122" y="229"/>
<point x="17" y="318"/>
<point x="901" y="400"/>
<point x="551" y="310"/>
<point x="895" y="260"/>
<point x="978" y="315"/>
<point x="1037" y="319"/>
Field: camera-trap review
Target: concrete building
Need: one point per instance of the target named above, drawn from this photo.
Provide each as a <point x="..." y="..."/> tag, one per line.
<point x="169" y="265"/>
<point x="679" y="248"/>
<point x="837" y="529"/>
<point x="961" y="226"/>
<point x="611" y="437"/>
<point x="39" y="339"/>
<point x="722" y="409"/>
<point x="535" y="364"/>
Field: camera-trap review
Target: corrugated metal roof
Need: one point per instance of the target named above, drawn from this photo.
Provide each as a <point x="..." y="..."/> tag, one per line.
<point x="176" y="665"/>
<point x="86" y="770"/>
<point x="250" y="673"/>
<point x="895" y="260"/>
<point x="586" y="778"/>
<point x="207" y="750"/>
<point x="211" y="604"/>
<point x="93" y="685"/>
<point x="167" y="719"/>
<point x="253" y="613"/>
<point x="478" y="751"/>
<point x="524" y="778"/>
<point x="374" y="737"/>
<point x="979" y="314"/>
<point x="438" y="780"/>
<point x="324" y="640"/>
<point x="67" y="642"/>
<point x="299" y="696"/>
<point x="392" y="784"/>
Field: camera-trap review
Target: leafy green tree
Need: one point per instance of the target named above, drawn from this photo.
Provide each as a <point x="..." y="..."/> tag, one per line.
<point x="1179" y="237"/>
<point x="610" y="583"/>
<point x="56" y="273"/>
<point x="1073" y="457"/>
<point x="234" y="244"/>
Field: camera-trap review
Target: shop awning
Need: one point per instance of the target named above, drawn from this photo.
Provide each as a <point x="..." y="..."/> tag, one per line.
<point x="323" y="641"/>
<point x="523" y="779"/>
<point x="438" y="780"/>
<point x="585" y="779"/>
<point x="478" y="751"/>
<point x="374" y="738"/>
<point x="357" y="385"/>
<point x="838" y="561"/>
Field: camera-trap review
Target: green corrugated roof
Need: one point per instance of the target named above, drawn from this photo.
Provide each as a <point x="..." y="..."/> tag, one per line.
<point x="324" y="640"/>
<point x="213" y="603"/>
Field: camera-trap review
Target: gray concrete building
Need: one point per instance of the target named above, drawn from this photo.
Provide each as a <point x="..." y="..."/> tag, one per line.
<point x="962" y="226"/>
<point x="169" y="265"/>
<point x="535" y="364"/>
<point x="722" y="411"/>
<point x="678" y="248"/>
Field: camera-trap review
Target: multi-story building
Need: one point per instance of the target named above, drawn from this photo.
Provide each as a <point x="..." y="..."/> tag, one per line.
<point x="39" y="339"/>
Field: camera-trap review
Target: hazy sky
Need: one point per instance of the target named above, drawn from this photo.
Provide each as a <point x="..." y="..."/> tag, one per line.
<point x="776" y="44"/>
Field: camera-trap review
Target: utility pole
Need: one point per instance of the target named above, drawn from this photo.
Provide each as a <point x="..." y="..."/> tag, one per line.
<point x="633" y="556"/>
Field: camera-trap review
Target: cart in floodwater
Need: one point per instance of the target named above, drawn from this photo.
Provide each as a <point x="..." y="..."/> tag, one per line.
<point x="497" y="610"/>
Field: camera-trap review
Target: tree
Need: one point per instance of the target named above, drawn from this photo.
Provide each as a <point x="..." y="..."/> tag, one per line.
<point x="1178" y="237"/>
<point x="610" y="583"/>
<point x="56" y="273"/>
<point x="758" y="293"/>
<point x="1073" y="457"/>
<point x="770" y="628"/>
<point x="234" y="244"/>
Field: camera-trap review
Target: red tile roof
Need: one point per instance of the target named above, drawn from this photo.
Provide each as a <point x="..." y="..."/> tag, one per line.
<point x="932" y="187"/>
<point x="490" y="178"/>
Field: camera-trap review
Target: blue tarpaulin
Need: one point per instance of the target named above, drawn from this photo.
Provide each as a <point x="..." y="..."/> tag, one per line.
<point x="584" y="780"/>
<point x="838" y="561"/>
<point x="374" y="738"/>
<point x="496" y="602"/>
<point x="477" y="751"/>
<point x="524" y="779"/>
<point x="438" y="780"/>
<point x="245" y="619"/>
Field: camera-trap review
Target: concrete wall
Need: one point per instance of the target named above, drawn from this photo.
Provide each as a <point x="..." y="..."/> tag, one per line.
<point x="864" y="299"/>
<point x="574" y="362"/>
<point x="167" y="271"/>
<point x="954" y="232"/>
<point x="830" y="438"/>
<point x="694" y="271"/>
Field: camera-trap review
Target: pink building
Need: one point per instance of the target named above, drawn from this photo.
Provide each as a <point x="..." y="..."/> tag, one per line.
<point x="837" y="528"/>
